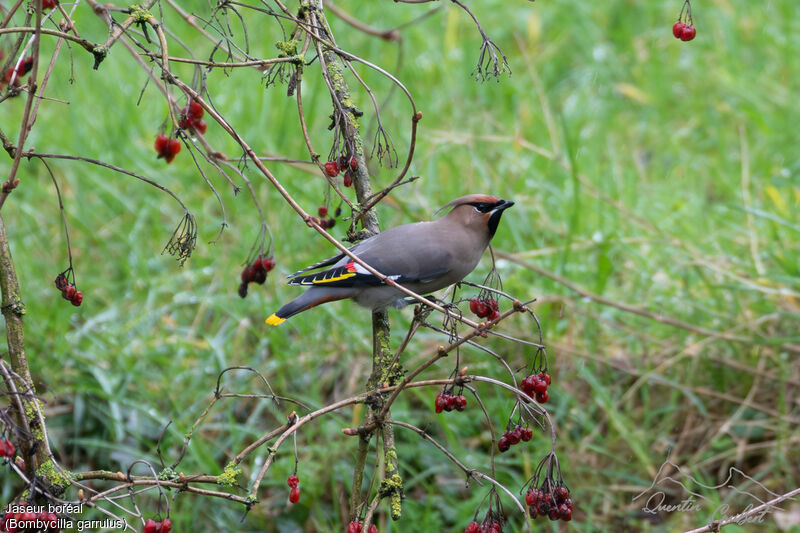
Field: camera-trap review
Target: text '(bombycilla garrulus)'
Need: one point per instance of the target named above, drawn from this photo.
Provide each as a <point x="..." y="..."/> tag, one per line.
<point x="423" y="257"/>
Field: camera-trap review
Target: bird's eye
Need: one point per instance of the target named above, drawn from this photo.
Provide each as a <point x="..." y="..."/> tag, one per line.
<point x="482" y="207"/>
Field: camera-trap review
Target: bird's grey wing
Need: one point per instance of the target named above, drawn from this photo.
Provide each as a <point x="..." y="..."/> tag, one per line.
<point x="389" y="254"/>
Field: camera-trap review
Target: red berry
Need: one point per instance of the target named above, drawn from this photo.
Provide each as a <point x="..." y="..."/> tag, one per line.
<point x="472" y="527"/>
<point x="451" y="403"/>
<point x="61" y="282"/>
<point x="293" y="481"/>
<point x="561" y="494"/>
<point x="200" y="127"/>
<point x="503" y="444"/>
<point x="268" y="263"/>
<point x="527" y="385"/>
<point x="150" y="526"/>
<point x="354" y="527"/>
<point x="48" y="4"/>
<point x="527" y="434"/>
<point x="161" y="144"/>
<point x="77" y="299"/>
<point x="322" y="211"/>
<point x="531" y="497"/>
<point x="69" y="292"/>
<point x="482" y="310"/>
<point x="493" y="314"/>
<point x="688" y="33"/>
<point x="353" y="163"/>
<point x="492" y="303"/>
<point x="7" y="448"/>
<point x="543" y="397"/>
<point x="174" y="147"/>
<point x="539" y="385"/>
<point x="553" y="514"/>
<point x="513" y="437"/>
<point x="52" y="521"/>
<point x="195" y="110"/>
<point x="348" y="180"/>
<point x="373" y="528"/>
<point x="545" y="376"/>
<point x="294" y="495"/>
<point x="331" y="168"/>
<point x="677" y="29"/>
<point x="440" y="404"/>
<point x="473" y="305"/>
<point x="461" y="402"/>
<point x="166" y="525"/>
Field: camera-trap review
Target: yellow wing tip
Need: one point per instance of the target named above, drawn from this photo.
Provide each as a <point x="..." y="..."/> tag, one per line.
<point x="275" y="320"/>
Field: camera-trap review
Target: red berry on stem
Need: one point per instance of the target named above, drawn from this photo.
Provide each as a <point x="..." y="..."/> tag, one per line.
<point x="331" y="168"/>
<point x="161" y="144"/>
<point x="373" y="528"/>
<point x="473" y="305"/>
<point x="354" y="527"/>
<point x="677" y="29"/>
<point x="472" y="527"/>
<point x="69" y="292"/>
<point x="294" y="495"/>
<point x="543" y="397"/>
<point x="293" y="481"/>
<point x="150" y="526"/>
<point x="545" y="376"/>
<point x="527" y="434"/>
<point x="561" y="494"/>
<point x="503" y="444"/>
<point x="348" y="180"/>
<point x="353" y="163"/>
<point x="77" y="299"/>
<point x="513" y="437"/>
<point x="552" y="514"/>
<point x="689" y="33"/>
<point x="322" y="211"/>
<point x="440" y="403"/>
<point x="166" y="525"/>
<point x="200" y="127"/>
<point x="195" y="110"/>
<point x="268" y="263"/>
<point x="539" y="385"/>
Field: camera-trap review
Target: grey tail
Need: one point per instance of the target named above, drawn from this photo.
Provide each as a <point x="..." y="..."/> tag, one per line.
<point x="311" y="298"/>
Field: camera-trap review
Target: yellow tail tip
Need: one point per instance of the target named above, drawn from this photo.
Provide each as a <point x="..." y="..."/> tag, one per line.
<point x="275" y="320"/>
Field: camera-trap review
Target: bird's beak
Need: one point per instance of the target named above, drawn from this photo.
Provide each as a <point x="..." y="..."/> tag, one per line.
<point x="502" y="205"/>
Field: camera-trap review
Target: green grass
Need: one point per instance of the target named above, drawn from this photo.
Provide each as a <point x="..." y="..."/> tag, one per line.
<point x="625" y="160"/>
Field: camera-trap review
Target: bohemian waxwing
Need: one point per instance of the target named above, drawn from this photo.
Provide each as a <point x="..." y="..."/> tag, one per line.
<point x="423" y="257"/>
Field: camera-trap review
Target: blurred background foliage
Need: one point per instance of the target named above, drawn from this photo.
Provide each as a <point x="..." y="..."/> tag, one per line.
<point x="647" y="171"/>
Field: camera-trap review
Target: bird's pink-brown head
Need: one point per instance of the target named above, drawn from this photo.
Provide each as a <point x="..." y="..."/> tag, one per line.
<point x="481" y="212"/>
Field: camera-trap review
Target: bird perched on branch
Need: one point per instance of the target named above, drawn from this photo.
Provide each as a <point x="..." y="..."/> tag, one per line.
<point x="423" y="257"/>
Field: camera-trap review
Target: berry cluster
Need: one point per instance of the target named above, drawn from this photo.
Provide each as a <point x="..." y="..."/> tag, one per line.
<point x="324" y="223"/>
<point x="555" y="504"/>
<point x="514" y="436"/>
<point x="22" y="69"/>
<point x="485" y="308"/>
<point x="7" y="448"/>
<point x="492" y="526"/>
<point x="166" y="147"/>
<point x="68" y="291"/>
<point x="332" y="169"/>
<point x="535" y="385"/>
<point x="357" y="527"/>
<point x="190" y="118"/>
<point x="683" y="31"/>
<point x="256" y="273"/>
<point x="294" y="494"/>
<point x="445" y="401"/>
<point x="151" y="526"/>
<point x="28" y="521"/>
<point x="48" y="4"/>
